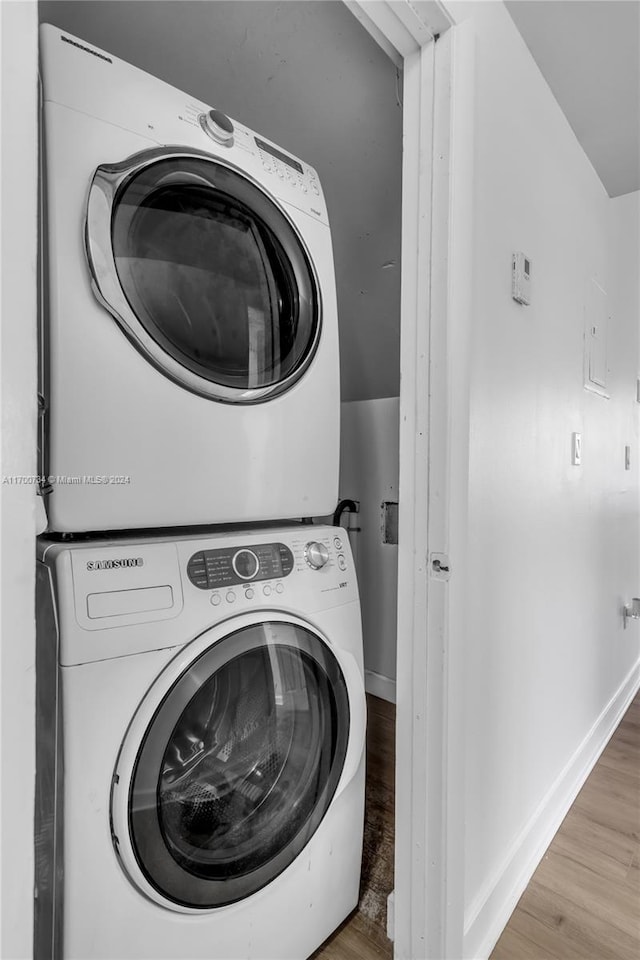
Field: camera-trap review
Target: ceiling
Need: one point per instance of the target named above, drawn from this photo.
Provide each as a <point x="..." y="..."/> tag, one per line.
<point x="589" y="53"/>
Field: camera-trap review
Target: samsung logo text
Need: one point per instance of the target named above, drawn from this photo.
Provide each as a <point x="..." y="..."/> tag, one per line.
<point x="115" y="564"/>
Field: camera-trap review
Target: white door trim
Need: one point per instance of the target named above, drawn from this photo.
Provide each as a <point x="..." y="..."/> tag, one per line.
<point x="434" y="445"/>
<point x="18" y="393"/>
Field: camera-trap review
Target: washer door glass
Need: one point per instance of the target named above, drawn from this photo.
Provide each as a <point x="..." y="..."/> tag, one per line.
<point x="216" y="274"/>
<point x="239" y="765"/>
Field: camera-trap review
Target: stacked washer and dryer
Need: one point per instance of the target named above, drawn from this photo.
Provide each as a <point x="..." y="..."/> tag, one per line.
<point x="201" y="710"/>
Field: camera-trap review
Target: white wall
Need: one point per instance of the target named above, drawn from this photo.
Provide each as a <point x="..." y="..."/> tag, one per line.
<point x="309" y="77"/>
<point x="369" y="474"/>
<point x="553" y="547"/>
<point x="17" y="502"/>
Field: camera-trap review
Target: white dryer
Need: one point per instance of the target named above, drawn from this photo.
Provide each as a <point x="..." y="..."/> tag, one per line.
<point x="190" y="337"/>
<point x="200" y="756"/>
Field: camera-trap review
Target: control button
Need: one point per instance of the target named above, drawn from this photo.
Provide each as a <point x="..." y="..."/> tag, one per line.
<point x="279" y="587"/>
<point x="266" y="590"/>
<point x="280" y="174"/>
<point x="337" y="542"/>
<point x="342" y="563"/>
<point x="266" y="165"/>
<point x="246" y="564"/>
<point x="316" y="554"/>
<point x="314" y="187"/>
<point x="217" y="125"/>
<point x="215" y="599"/>
<point x="231" y="596"/>
<point x="304" y="189"/>
<point x="249" y="594"/>
<point x="312" y="173"/>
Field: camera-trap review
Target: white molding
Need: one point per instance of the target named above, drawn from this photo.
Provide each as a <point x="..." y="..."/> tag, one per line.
<point x="360" y="11"/>
<point x="428" y="859"/>
<point x="380" y="686"/>
<point x="401" y="27"/>
<point x="415" y="22"/>
<point x="458" y="352"/>
<point x="411" y="905"/>
<point x="435" y="14"/>
<point x="385" y="24"/>
<point x="489" y="912"/>
<point x="391" y="900"/>
<point x="18" y="379"/>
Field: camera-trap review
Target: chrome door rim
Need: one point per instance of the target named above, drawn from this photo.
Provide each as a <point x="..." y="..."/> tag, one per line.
<point x="145" y="719"/>
<point x="105" y="185"/>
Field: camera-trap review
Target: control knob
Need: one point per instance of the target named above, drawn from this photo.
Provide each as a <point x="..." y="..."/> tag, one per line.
<point x="316" y="554"/>
<point x="217" y="125"/>
<point x="245" y="564"/>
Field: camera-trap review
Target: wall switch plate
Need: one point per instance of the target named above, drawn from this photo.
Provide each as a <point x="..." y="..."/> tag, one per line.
<point x="576" y="449"/>
<point x="627" y="457"/>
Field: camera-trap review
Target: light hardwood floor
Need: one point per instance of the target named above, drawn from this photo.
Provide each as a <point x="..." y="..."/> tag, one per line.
<point x="583" y="901"/>
<point x="360" y="937"/>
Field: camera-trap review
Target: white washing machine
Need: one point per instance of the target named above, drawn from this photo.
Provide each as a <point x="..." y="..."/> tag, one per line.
<point x="200" y="753"/>
<point x="190" y="367"/>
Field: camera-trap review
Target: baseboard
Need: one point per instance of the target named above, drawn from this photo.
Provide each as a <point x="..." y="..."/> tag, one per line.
<point x="380" y="686"/>
<point x="489" y="913"/>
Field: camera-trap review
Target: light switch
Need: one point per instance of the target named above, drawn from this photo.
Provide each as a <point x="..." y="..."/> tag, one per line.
<point x="576" y="449"/>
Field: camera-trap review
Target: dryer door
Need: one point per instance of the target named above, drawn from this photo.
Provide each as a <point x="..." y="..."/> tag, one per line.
<point x="236" y="768"/>
<point x="204" y="272"/>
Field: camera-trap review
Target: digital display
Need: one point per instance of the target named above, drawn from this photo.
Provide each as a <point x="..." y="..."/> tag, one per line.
<point x="279" y="156"/>
<point x="212" y="569"/>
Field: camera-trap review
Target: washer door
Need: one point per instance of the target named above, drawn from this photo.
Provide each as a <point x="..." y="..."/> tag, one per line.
<point x="204" y="272"/>
<point x="236" y="768"/>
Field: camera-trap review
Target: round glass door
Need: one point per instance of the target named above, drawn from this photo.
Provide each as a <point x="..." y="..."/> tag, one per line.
<point x="211" y="279"/>
<point x="239" y="765"/>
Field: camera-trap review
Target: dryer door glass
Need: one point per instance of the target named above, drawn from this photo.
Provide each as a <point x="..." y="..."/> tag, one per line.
<point x="239" y="765"/>
<point x="217" y="276"/>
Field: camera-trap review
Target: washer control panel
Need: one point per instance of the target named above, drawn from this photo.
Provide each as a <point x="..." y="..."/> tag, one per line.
<point x="230" y="566"/>
<point x="307" y="567"/>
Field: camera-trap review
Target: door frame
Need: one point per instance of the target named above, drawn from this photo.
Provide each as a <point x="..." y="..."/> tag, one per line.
<point x="426" y="910"/>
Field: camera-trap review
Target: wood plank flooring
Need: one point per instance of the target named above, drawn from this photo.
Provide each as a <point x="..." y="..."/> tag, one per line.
<point x="583" y="901"/>
<point x="363" y="935"/>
